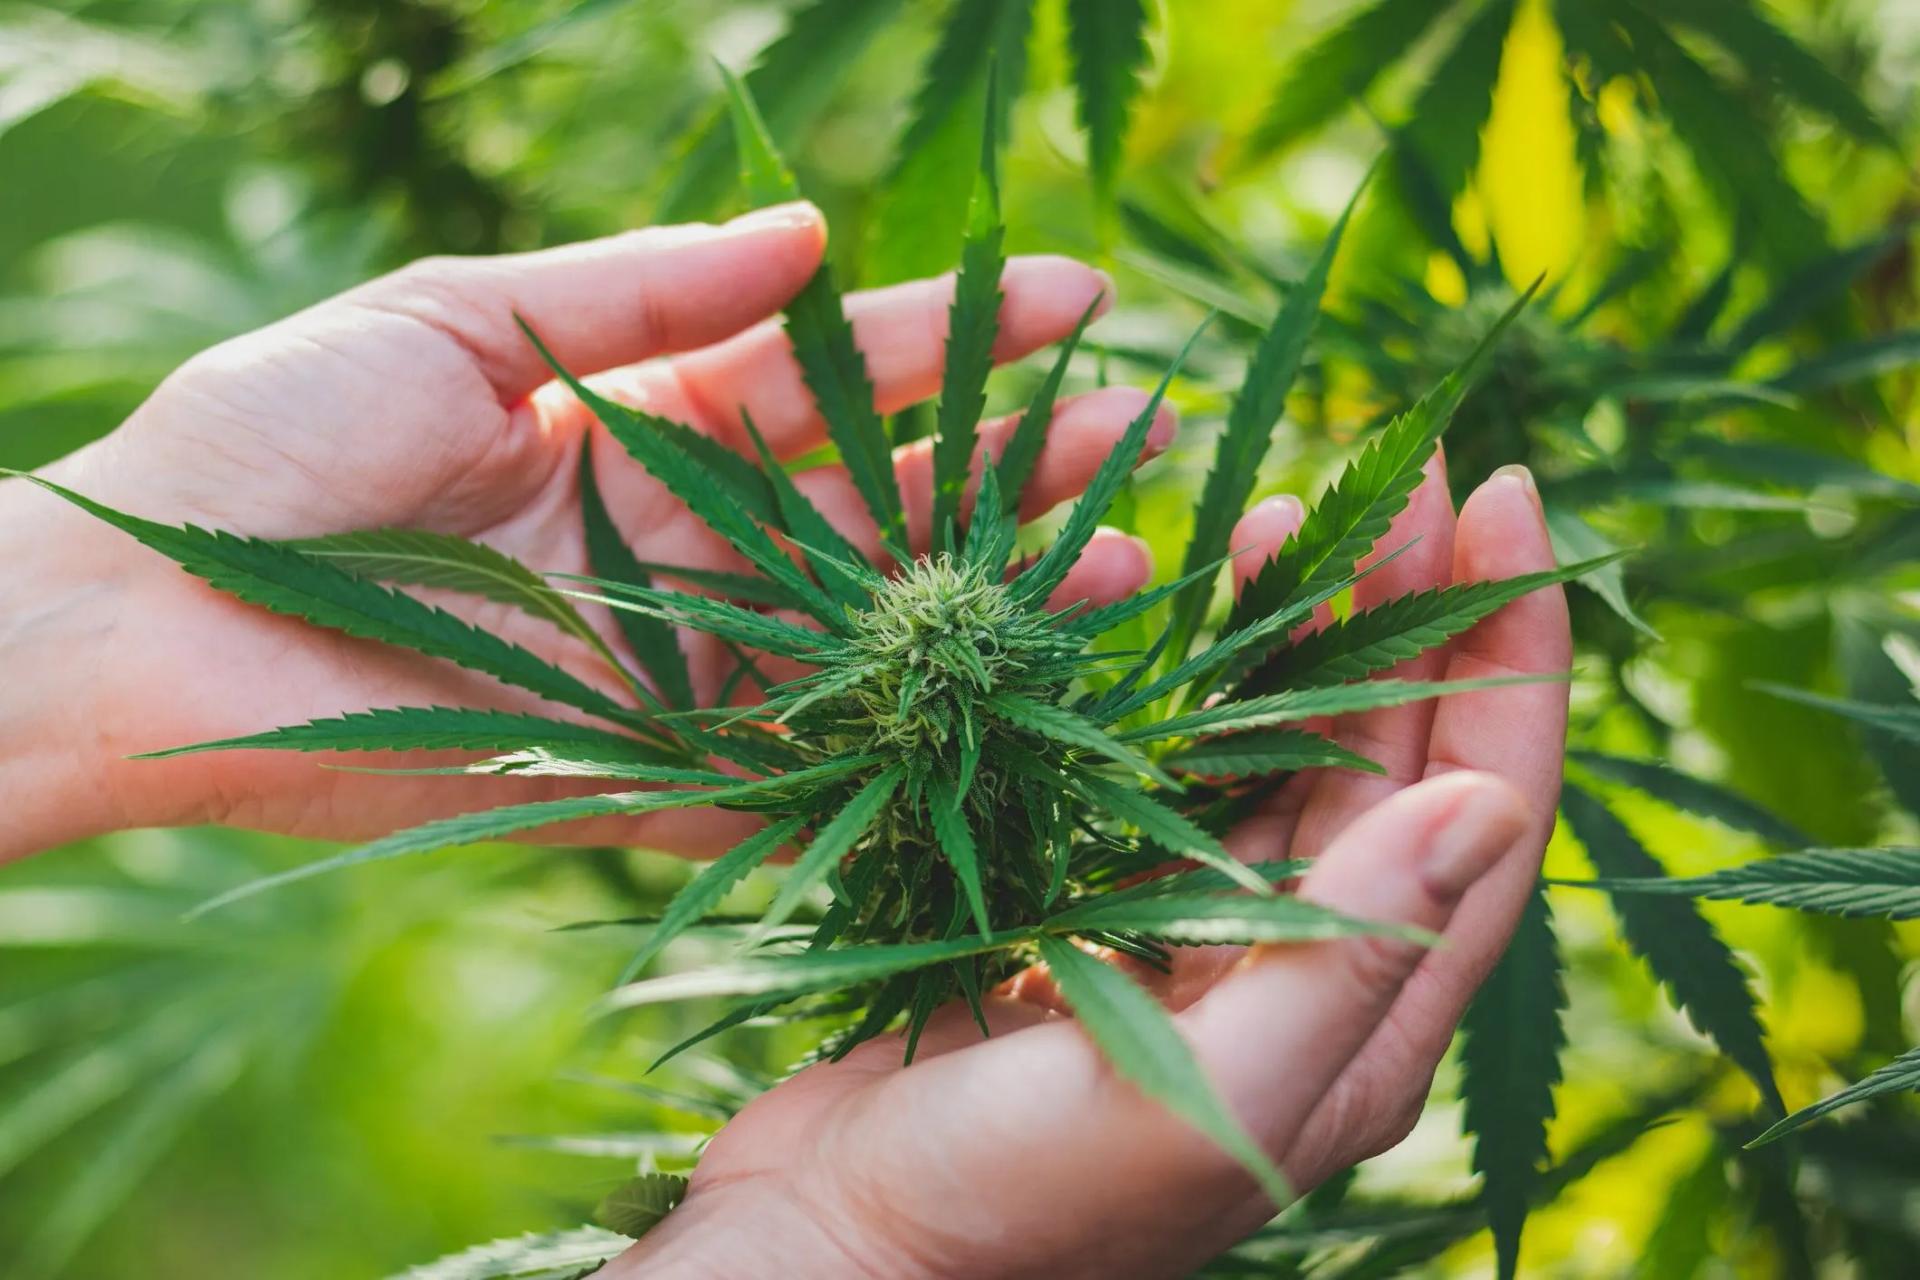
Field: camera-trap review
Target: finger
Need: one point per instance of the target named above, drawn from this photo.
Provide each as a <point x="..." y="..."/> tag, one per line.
<point x="1517" y="733"/>
<point x="611" y="301"/>
<point x="1082" y="433"/>
<point x="1113" y="566"/>
<point x="1393" y="737"/>
<point x="902" y="332"/>
<point x="1259" y="534"/>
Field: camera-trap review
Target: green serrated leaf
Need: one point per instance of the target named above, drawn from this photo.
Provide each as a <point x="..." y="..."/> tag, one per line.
<point x="283" y="580"/>
<point x="1107" y="39"/>
<point x="785" y="976"/>
<point x="831" y="843"/>
<point x="1356" y="646"/>
<point x="1202" y="919"/>
<point x="430" y="728"/>
<point x="1511" y="1038"/>
<point x="1902" y="1075"/>
<point x="1144" y="1045"/>
<point x="1373" y="489"/>
<point x="705" y="890"/>
<point x="950" y="827"/>
<point x="640" y="1203"/>
<point x="1243" y="442"/>
<point x="532" y="1255"/>
<point x="922" y="204"/>
<point x="825" y="549"/>
<point x="1167" y="829"/>
<point x="1335" y="70"/>
<point x="973" y="322"/>
<point x="1264" y="751"/>
<point x="491" y="824"/>
<point x="1043" y="575"/>
<point x="652" y="640"/>
<point x="1769" y="54"/>
<point x="1073" y="730"/>
<point x="792" y="80"/>
<point x="1449" y="113"/>
<point x="1900" y="721"/>
<point x="1684" y="951"/>
<point x="822" y="340"/>
<point x="715" y="617"/>
<point x="1302" y="704"/>
<point x="1576" y="540"/>
<point x="660" y="447"/>
<point x="1016" y="462"/>
<point x="418" y="558"/>
<point x="1693" y="795"/>
<point x="1883" y="883"/>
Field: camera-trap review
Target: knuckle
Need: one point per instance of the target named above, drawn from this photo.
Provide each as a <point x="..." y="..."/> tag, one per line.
<point x="1376" y="964"/>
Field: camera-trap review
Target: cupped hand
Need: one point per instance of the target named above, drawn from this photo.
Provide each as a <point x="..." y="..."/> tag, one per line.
<point x="1024" y="1155"/>
<point x="414" y="401"/>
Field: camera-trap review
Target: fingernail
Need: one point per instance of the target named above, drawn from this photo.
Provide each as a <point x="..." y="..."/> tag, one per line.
<point x="1166" y="425"/>
<point x="1283" y="505"/>
<point x="1518" y="471"/>
<point x="1483" y="825"/>
<point x="780" y="217"/>
<point x="1106" y="293"/>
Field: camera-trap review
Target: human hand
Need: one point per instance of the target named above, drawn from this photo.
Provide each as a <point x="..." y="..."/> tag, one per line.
<point x="414" y="401"/>
<point x="1025" y="1155"/>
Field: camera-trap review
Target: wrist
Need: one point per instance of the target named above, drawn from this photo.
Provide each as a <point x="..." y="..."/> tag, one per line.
<point x="750" y="1227"/>
<point x="64" y="583"/>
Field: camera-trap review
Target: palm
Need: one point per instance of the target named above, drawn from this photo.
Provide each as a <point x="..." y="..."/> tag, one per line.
<point x="933" y="1169"/>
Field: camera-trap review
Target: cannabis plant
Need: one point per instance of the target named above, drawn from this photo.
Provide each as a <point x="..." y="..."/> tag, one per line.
<point x="974" y="779"/>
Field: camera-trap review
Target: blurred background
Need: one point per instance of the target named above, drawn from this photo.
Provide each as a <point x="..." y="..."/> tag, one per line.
<point x="372" y="1069"/>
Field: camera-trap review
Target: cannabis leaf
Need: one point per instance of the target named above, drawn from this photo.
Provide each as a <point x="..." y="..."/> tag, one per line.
<point x="924" y="198"/>
<point x="822" y="340"/>
<point x="1204" y="919"/>
<point x="1839" y="882"/>
<point x="1900" y="721"/>
<point x="1264" y="751"/>
<point x="545" y="1256"/>
<point x="1107" y="39"/>
<point x="705" y="890"/>
<point x="1683" y="950"/>
<point x="430" y="729"/>
<point x="785" y="976"/>
<point x="414" y="557"/>
<point x="637" y="1205"/>
<point x="1511" y="1038"/>
<point x="1902" y="1075"/>
<point x="286" y="581"/>
<point x="973" y="321"/>
<point x="1375" y="639"/>
<point x="792" y="79"/>
<point x="1333" y="71"/>
<point x="1373" y="489"/>
<point x="1250" y="422"/>
<point x="1043" y="575"/>
<point x="652" y="640"/>
<point x="1693" y="795"/>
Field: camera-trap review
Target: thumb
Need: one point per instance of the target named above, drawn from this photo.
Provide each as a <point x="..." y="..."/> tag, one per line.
<point x="612" y="301"/>
<point x="1312" y="1006"/>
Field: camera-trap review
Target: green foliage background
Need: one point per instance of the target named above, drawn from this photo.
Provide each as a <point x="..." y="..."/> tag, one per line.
<point x="372" y="1069"/>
